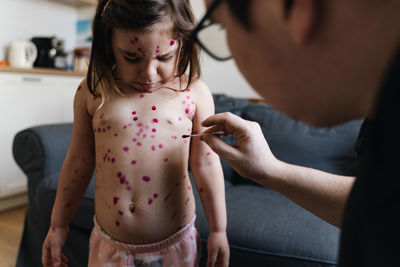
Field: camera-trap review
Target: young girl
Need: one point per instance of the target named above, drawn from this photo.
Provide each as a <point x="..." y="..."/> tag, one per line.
<point x="129" y="118"/>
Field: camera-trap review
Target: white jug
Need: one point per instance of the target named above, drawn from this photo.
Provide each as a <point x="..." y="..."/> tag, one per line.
<point x="22" y="54"/>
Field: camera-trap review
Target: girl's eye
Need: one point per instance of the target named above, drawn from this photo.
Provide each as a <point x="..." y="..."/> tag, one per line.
<point x="165" y="59"/>
<point x="131" y="60"/>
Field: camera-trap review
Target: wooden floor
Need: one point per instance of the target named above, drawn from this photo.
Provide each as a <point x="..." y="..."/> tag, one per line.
<point x="11" y="226"/>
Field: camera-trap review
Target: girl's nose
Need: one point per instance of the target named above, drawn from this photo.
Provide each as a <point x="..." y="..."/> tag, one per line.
<point x="148" y="70"/>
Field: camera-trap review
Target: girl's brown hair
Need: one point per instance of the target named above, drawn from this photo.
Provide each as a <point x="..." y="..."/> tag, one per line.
<point x="138" y="15"/>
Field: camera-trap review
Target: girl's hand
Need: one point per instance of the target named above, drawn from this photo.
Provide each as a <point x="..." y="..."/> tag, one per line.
<point x="218" y="250"/>
<point x="250" y="156"/>
<point x="52" y="246"/>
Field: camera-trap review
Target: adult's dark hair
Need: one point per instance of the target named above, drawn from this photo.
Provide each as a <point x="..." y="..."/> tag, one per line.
<point x="240" y="9"/>
<point x="138" y="15"/>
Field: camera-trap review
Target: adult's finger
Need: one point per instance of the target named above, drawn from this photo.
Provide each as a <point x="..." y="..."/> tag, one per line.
<point x="46" y="256"/>
<point x="226" y="120"/>
<point x="55" y="254"/>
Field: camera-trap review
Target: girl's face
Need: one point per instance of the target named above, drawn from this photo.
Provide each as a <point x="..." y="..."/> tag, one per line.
<point x="145" y="60"/>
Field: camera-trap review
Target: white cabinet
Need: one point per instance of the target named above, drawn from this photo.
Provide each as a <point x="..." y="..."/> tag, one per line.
<point x="26" y="100"/>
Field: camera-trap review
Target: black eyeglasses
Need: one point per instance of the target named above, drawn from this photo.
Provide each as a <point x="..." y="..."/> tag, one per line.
<point x="212" y="37"/>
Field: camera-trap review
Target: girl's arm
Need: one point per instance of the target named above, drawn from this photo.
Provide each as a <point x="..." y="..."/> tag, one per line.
<point x="209" y="179"/>
<point x="78" y="166"/>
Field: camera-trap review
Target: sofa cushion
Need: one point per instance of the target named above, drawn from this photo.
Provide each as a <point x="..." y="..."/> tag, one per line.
<point x="330" y="149"/>
<point x="268" y="228"/>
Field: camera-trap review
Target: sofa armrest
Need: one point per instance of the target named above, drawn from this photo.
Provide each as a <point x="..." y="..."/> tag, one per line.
<point x="40" y="151"/>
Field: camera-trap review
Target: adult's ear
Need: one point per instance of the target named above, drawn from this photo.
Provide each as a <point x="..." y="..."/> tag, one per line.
<point x="301" y="17"/>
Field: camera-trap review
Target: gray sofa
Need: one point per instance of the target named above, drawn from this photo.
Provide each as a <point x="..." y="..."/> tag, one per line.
<point x="264" y="227"/>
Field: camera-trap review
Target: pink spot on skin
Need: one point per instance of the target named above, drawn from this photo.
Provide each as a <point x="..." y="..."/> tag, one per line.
<point x="153" y="130"/>
<point x="108" y="127"/>
<point x="65" y="188"/>
<point x="167" y="196"/>
<point x="115" y="200"/>
<point x="126" y="182"/>
<point x="201" y="190"/>
<point x="150" y="201"/>
<point x="122" y="180"/>
<point x="155" y="195"/>
<point x="208" y="154"/>
<point x="115" y="134"/>
<point x="79" y="88"/>
<point x="67" y="205"/>
<point x="154" y="120"/>
<point x="141" y="95"/>
<point x="152" y="136"/>
<point x="160" y="146"/>
<point x="174" y="137"/>
<point x="172" y="43"/>
<point x="179" y="118"/>
<point x="112" y="160"/>
<point x="139" y="144"/>
<point x="120" y="213"/>
<point x="188" y="90"/>
<point x="184" y="102"/>
<point x="166" y="160"/>
<point x="173" y="215"/>
<point x="133" y="112"/>
<point x="134" y="140"/>
<point x="129" y="188"/>
<point x="125" y="127"/>
<point x="53" y="229"/>
<point x="144" y="136"/>
<point x="189" y="188"/>
<point x="133" y="162"/>
<point x="146" y="179"/>
<point x="117" y="223"/>
<point x="153" y="108"/>
<point x="153" y="147"/>
<point x="187" y="110"/>
<point x="136" y="39"/>
<point x="119" y="174"/>
<point x="140" y="125"/>
<point x="135" y="118"/>
<point x="188" y="97"/>
<point x="126" y="149"/>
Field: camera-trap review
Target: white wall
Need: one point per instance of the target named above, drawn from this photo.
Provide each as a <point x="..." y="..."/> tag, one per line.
<point x="23" y="19"/>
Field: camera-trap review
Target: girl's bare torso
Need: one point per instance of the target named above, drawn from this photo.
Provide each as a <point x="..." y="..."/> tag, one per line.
<point x="143" y="192"/>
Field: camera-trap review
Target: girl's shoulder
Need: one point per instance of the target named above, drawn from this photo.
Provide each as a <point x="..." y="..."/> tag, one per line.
<point x="92" y="101"/>
<point x="197" y="86"/>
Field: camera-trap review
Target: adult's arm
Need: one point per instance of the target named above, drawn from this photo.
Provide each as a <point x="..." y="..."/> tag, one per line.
<point x="324" y="194"/>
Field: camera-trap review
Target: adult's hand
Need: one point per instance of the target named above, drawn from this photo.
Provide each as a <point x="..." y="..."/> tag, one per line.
<point x="250" y="156"/>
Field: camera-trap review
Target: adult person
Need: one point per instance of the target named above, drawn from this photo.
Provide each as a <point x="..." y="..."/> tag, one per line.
<point x="322" y="62"/>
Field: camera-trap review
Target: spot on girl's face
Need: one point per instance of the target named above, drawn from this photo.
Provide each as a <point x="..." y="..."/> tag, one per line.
<point x="146" y="179"/>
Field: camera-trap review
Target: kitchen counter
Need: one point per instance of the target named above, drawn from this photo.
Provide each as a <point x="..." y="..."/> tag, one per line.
<point x="42" y="71"/>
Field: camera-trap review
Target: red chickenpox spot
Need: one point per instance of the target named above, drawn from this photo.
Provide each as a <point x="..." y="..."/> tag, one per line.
<point x="152" y="136"/>
<point x="65" y="188"/>
<point x="108" y="127"/>
<point x="133" y="112"/>
<point x="160" y="146"/>
<point x="201" y="190"/>
<point x="144" y="136"/>
<point x="194" y="132"/>
<point x="115" y="200"/>
<point x="192" y="102"/>
<point x="177" y="184"/>
<point x="167" y="196"/>
<point x="157" y="51"/>
<point x="135" y="118"/>
<point x="98" y="129"/>
<point x="134" y="140"/>
<point x="138" y="133"/>
<point x="79" y="88"/>
<point x="133" y="162"/>
<point x="117" y="223"/>
<point x="174" y="136"/>
<point x="136" y="39"/>
<point x="115" y="134"/>
<point x="172" y="43"/>
<point x="150" y="201"/>
<point x="126" y="182"/>
<point x="208" y="154"/>
<point x="166" y="160"/>
<point x="188" y="90"/>
<point x="67" y="205"/>
<point x="112" y="160"/>
<point x="53" y="229"/>
<point x="146" y="179"/>
<point x="153" y="147"/>
<point x="173" y="215"/>
<point x="154" y="130"/>
<point x="155" y="195"/>
<point x="109" y="150"/>
<point x="183" y="102"/>
<point x="139" y="144"/>
<point x="189" y="188"/>
<point x="128" y="188"/>
<point x="119" y="174"/>
<point x="153" y="108"/>
<point x="187" y="110"/>
<point x="132" y="41"/>
<point x="125" y="127"/>
<point x="179" y="118"/>
<point x="122" y="180"/>
<point x="141" y="95"/>
<point x="120" y="213"/>
<point x="155" y="120"/>
<point x="188" y="97"/>
<point x="140" y="125"/>
<point x="140" y="49"/>
<point x="126" y="149"/>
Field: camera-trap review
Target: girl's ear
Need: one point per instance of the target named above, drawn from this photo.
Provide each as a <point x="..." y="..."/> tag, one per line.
<point x="301" y="17"/>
